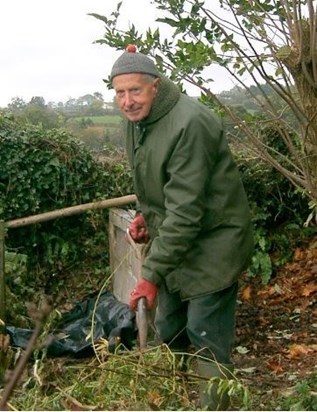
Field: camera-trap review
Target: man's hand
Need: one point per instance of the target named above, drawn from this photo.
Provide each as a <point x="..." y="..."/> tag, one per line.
<point x="138" y="230"/>
<point x="145" y="289"/>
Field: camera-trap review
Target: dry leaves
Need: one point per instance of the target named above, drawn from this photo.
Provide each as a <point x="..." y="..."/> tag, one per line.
<point x="4" y="342"/>
<point x="246" y="294"/>
<point x="309" y="289"/>
<point x="275" y="366"/>
<point x="295" y="351"/>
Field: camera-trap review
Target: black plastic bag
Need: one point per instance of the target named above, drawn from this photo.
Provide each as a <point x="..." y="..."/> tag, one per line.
<point x="113" y="321"/>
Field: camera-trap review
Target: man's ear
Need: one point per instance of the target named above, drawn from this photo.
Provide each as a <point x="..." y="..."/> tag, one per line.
<point x="156" y="83"/>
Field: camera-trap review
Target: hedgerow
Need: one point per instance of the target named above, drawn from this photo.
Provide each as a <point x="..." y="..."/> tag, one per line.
<point x="45" y="170"/>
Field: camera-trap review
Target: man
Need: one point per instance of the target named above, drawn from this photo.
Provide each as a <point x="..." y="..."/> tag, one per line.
<point x="192" y="207"/>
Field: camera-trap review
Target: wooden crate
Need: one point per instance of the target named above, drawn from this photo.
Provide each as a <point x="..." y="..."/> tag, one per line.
<point x="124" y="263"/>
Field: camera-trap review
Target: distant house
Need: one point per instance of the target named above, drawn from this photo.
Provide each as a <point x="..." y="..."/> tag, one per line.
<point x="108" y="106"/>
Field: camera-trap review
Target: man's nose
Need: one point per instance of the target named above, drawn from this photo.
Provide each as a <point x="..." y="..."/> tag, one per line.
<point x="128" y="101"/>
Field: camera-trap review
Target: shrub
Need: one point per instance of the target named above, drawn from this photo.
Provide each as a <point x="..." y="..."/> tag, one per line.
<point x="44" y="170"/>
<point x="278" y="213"/>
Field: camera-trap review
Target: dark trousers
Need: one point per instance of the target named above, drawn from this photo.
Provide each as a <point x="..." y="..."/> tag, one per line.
<point x="207" y="322"/>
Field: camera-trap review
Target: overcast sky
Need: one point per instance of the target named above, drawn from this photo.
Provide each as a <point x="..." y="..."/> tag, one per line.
<point x="46" y="47"/>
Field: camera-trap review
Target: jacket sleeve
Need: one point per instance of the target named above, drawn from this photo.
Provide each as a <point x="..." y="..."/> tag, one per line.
<point x="189" y="170"/>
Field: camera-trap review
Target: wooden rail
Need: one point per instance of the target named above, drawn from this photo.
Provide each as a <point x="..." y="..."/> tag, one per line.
<point x="72" y="210"/>
<point x="2" y="274"/>
<point x="44" y="217"/>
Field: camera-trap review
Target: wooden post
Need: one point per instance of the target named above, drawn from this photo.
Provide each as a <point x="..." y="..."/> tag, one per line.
<point x="3" y="339"/>
<point x="29" y="220"/>
<point x="2" y="275"/>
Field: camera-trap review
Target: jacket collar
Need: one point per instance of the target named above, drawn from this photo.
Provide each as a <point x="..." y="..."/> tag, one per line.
<point x="166" y="98"/>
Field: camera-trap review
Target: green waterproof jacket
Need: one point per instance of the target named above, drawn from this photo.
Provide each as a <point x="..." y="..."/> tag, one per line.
<point x="191" y="196"/>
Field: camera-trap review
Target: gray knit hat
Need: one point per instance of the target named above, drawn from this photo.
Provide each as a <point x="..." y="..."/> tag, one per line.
<point x="133" y="62"/>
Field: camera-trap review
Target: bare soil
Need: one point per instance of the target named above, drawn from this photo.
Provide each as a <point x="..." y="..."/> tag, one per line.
<point x="276" y="345"/>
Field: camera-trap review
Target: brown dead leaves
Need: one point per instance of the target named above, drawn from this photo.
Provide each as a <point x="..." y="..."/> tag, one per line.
<point x="275" y="366"/>
<point x="309" y="289"/>
<point x="4" y="342"/>
<point x="246" y="294"/>
<point x="298" y="350"/>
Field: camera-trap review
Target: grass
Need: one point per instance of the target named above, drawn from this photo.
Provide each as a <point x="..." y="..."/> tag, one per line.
<point x="125" y="380"/>
<point x="122" y="381"/>
<point x="302" y="396"/>
<point x="101" y="120"/>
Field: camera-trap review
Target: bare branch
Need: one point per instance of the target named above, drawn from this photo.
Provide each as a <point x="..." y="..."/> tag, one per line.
<point x="40" y="319"/>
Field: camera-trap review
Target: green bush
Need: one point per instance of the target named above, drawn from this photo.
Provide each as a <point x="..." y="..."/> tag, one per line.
<point x="44" y="170"/>
<point x="278" y="214"/>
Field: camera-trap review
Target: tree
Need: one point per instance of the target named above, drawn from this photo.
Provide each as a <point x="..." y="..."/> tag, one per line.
<point x="17" y="104"/>
<point x="37" y="112"/>
<point x="272" y="42"/>
<point x="37" y="101"/>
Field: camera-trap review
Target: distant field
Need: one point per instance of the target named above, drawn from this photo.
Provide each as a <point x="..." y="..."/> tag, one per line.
<point x="101" y="120"/>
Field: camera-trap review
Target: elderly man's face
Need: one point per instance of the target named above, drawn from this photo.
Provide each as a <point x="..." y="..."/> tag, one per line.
<point x="135" y="93"/>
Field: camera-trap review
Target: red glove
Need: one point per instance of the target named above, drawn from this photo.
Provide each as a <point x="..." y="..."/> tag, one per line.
<point x="138" y="230"/>
<point x="145" y="289"/>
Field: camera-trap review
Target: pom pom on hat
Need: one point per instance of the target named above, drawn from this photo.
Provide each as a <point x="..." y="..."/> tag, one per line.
<point x="131" y="48"/>
<point x="132" y="61"/>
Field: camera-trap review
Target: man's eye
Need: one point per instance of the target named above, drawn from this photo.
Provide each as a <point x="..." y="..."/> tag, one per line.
<point x="119" y="94"/>
<point x="136" y="92"/>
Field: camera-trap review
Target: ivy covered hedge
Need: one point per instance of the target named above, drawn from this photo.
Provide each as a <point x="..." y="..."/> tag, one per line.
<point x="44" y="170"/>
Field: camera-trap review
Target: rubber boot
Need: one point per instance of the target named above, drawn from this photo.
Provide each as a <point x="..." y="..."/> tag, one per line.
<point x="210" y="400"/>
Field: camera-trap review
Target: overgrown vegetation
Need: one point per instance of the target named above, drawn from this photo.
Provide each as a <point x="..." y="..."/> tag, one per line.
<point x="43" y="170"/>
<point x="302" y="396"/>
<point x="126" y="380"/>
<point x="252" y="42"/>
<point x="278" y="213"/>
